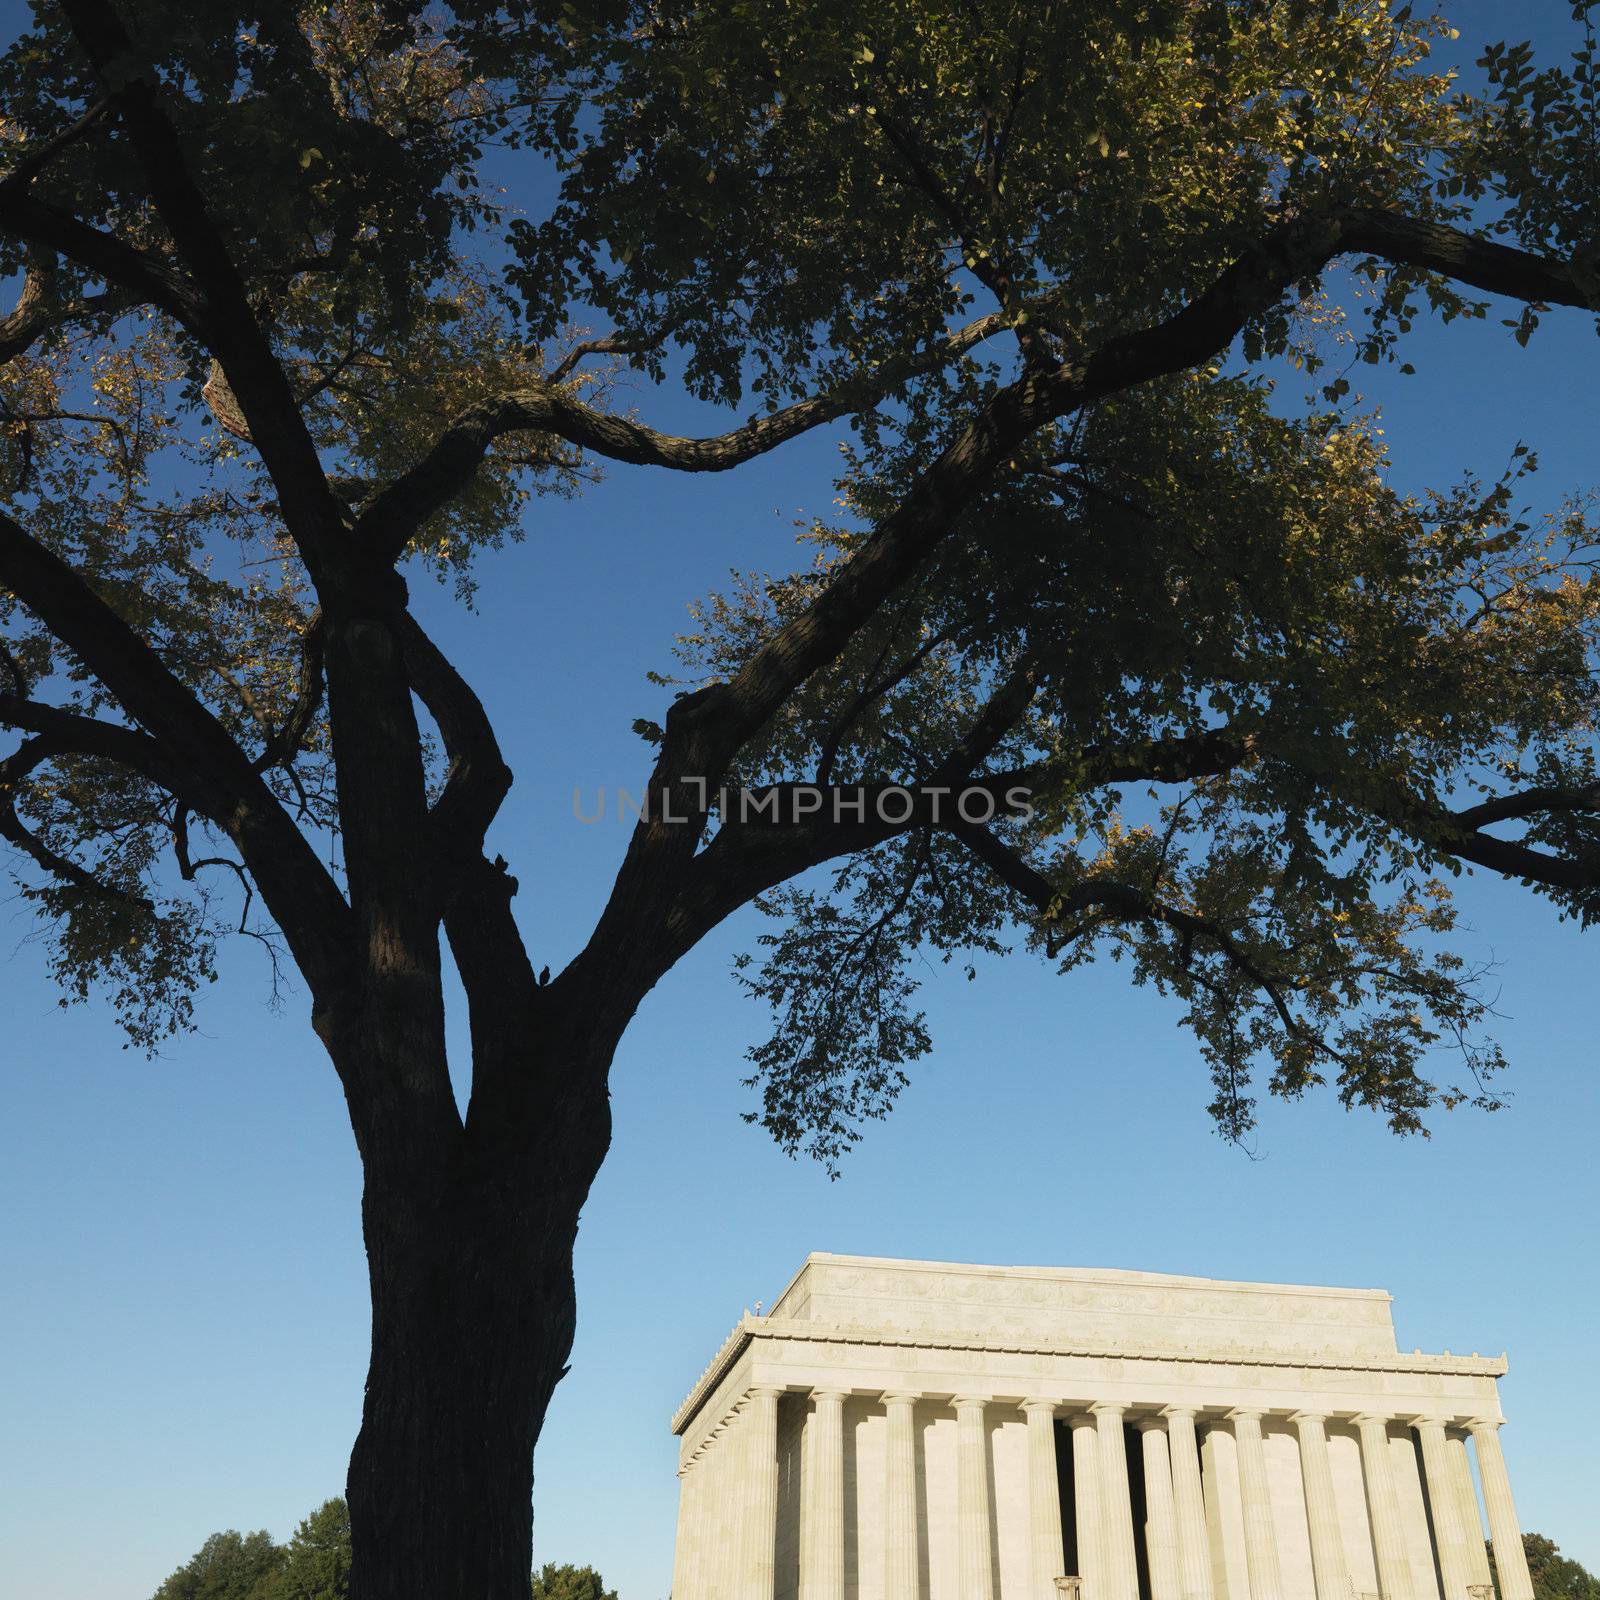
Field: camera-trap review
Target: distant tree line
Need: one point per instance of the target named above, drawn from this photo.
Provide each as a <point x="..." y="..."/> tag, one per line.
<point x="1555" y="1576"/>
<point x="315" y="1565"/>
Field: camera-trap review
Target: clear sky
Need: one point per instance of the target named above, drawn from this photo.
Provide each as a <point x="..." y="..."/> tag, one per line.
<point x="183" y="1315"/>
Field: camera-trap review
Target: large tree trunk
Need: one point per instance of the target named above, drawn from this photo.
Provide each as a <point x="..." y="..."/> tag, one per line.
<point x="472" y="1323"/>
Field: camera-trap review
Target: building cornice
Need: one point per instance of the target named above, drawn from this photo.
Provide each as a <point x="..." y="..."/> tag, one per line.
<point x="729" y="1351"/>
<point x="808" y="1330"/>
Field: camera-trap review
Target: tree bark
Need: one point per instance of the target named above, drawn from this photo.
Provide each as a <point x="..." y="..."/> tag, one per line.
<point x="470" y="1263"/>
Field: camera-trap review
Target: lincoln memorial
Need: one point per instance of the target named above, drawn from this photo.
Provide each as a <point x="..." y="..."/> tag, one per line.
<point x="915" y="1430"/>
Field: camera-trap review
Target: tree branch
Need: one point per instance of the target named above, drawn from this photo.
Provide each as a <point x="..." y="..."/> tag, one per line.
<point x="146" y="279"/>
<point x="1512" y="860"/>
<point x="285" y="744"/>
<point x="61" y="732"/>
<point x="1529" y="803"/>
<point x="994" y="274"/>
<point x="1455" y="833"/>
<point x="33" y="315"/>
<point x="1123" y="902"/>
<point x="13" y="770"/>
<point x="34" y="161"/>
<point x="305" y="901"/>
<point x="478" y="779"/>
<point x="999" y="715"/>
<point x="511" y="1061"/>
<point x="611" y="344"/>
<point x="232" y="330"/>
<point x="1465" y="257"/>
<point x="874" y="689"/>
<point x="1180" y="758"/>
<point x="778" y="832"/>
<point x="717" y="721"/>
<point x="395" y="514"/>
<point x="20" y="685"/>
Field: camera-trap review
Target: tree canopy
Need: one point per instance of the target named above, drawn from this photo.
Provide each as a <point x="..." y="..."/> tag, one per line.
<point x="315" y="1565"/>
<point x="1121" y="638"/>
<point x="1160" y="567"/>
<point x="228" y="1566"/>
<point x="551" y="1582"/>
<point x="316" y="1560"/>
<point x="1555" y="1576"/>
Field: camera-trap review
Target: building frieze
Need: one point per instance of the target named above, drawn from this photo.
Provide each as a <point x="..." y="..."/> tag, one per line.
<point x="800" y="1335"/>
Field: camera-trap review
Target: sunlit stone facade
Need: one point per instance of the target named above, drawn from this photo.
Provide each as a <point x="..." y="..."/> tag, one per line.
<point x="916" y="1430"/>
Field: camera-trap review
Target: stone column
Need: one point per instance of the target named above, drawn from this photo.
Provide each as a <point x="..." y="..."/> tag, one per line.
<point x="1119" y="1568"/>
<point x="1322" y="1510"/>
<point x="681" y="1564"/>
<point x="704" y="1566"/>
<point x="1189" y="1506"/>
<point x="1444" y="1508"/>
<point x="823" y="1578"/>
<point x="1044" y="1498"/>
<point x="723" y="1486"/>
<point x="1509" y="1560"/>
<point x="1383" y="1509"/>
<point x="758" y="1531"/>
<point x="1160" y="1525"/>
<point x="900" y="1499"/>
<point x="974" y="1514"/>
<point x="708" y="1541"/>
<point x="1260" y="1537"/>
<point x="1086" y="1499"/>
<point x="1455" y="1443"/>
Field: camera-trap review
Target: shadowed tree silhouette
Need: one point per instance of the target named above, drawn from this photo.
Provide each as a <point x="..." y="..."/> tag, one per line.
<point x="1110" y="645"/>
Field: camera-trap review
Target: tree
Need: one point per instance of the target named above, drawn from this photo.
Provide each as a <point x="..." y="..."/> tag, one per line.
<point x="1555" y="1576"/>
<point x="316" y="1561"/>
<point x="315" y="1565"/>
<point x="551" y="1582"/>
<point x="228" y="1566"/>
<point x="1112" y="647"/>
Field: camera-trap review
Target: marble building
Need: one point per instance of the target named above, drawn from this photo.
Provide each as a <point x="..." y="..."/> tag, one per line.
<point x="916" y="1430"/>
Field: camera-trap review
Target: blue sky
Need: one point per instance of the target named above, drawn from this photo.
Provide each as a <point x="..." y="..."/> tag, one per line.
<point x="183" y="1313"/>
